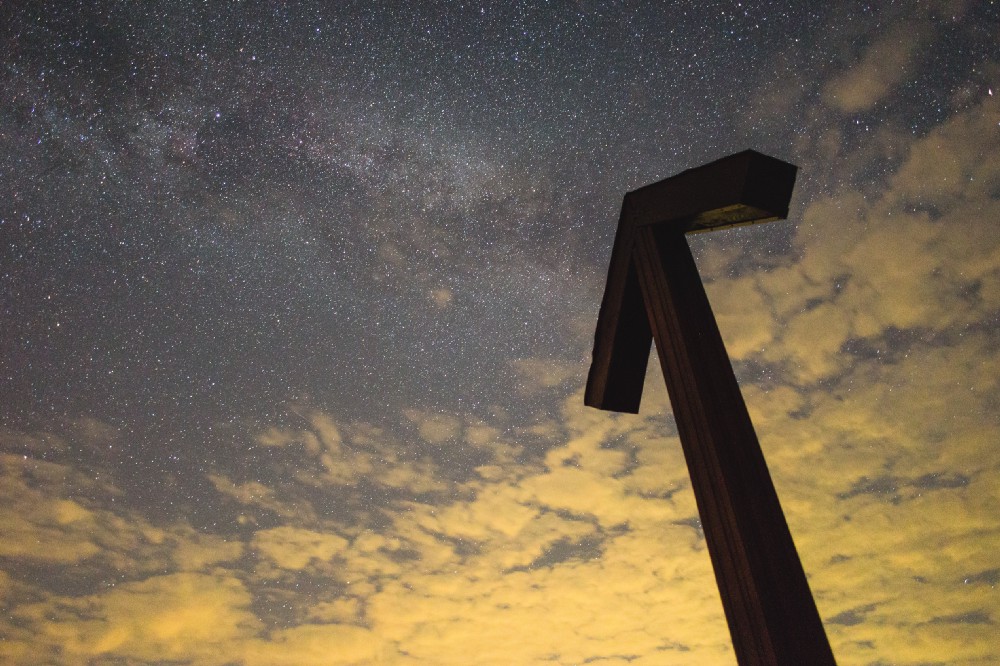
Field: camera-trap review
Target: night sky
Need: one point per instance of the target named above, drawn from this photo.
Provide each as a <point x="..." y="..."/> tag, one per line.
<point x="297" y="302"/>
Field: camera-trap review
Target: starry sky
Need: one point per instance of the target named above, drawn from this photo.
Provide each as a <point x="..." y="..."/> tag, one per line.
<point x="297" y="302"/>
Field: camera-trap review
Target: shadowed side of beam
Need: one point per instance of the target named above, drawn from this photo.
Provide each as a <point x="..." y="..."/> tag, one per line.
<point x="623" y="338"/>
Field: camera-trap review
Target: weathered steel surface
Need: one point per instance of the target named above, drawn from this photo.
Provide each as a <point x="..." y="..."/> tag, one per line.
<point x="654" y="291"/>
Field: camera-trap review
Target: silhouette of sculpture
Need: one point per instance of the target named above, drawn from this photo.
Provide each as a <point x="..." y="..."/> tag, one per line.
<point x="654" y="292"/>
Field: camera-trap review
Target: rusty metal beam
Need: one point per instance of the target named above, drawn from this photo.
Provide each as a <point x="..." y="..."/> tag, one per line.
<point x="654" y="291"/>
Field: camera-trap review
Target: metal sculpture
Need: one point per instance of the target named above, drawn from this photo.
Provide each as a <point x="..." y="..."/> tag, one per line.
<point x="654" y="292"/>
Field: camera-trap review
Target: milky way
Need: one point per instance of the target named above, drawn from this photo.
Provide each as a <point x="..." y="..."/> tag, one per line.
<point x="298" y="302"/>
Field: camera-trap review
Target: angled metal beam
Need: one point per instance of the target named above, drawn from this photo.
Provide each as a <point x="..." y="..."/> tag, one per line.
<point x="744" y="188"/>
<point x="654" y="291"/>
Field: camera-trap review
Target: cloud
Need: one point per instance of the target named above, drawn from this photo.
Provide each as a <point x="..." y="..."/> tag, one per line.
<point x="180" y="616"/>
<point x="565" y="563"/>
<point x="913" y="256"/>
<point x="294" y="548"/>
<point x="886" y="63"/>
<point x="869" y="364"/>
<point x="537" y="374"/>
<point x="345" y="454"/>
<point x="434" y="427"/>
<point x="589" y="553"/>
<point x="254" y="494"/>
<point x="50" y="519"/>
<point x="195" y="551"/>
<point x="319" y="645"/>
<point x="442" y="297"/>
